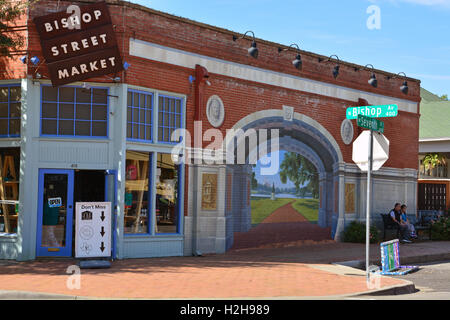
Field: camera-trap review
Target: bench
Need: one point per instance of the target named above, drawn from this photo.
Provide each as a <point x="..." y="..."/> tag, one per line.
<point x="389" y="224"/>
<point x="424" y="221"/>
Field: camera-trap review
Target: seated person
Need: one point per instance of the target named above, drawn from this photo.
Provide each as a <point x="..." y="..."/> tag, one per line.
<point x="396" y="217"/>
<point x="404" y="221"/>
<point x="440" y="214"/>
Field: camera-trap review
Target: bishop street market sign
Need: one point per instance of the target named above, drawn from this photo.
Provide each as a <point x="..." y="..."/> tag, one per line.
<point x="79" y="43"/>
<point x="384" y="111"/>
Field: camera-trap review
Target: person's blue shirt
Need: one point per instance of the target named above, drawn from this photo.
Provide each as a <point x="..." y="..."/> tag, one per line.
<point x="404" y="217"/>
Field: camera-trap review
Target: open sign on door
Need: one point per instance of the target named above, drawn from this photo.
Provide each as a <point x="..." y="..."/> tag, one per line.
<point x="54" y="202"/>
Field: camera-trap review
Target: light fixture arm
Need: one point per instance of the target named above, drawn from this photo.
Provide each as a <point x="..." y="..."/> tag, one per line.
<point x="337" y="58"/>
<point x="396" y="76"/>
<point x="237" y="38"/>
<point x="286" y="49"/>
<point x="373" y="69"/>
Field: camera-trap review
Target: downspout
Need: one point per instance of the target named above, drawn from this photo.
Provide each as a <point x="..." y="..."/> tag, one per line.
<point x="201" y="75"/>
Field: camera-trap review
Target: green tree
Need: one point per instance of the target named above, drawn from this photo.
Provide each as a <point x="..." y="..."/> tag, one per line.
<point x="10" y="11"/>
<point x="300" y="171"/>
<point x="254" y="181"/>
<point x="444" y="97"/>
<point x="432" y="160"/>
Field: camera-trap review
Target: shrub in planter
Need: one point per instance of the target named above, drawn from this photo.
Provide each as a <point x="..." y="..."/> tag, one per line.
<point x="356" y="232"/>
<point x="440" y="230"/>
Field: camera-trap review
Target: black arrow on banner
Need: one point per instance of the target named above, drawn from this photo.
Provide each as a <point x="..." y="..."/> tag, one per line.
<point x="102" y="247"/>
<point x="103" y="216"/>
<point x="103" y="231"/>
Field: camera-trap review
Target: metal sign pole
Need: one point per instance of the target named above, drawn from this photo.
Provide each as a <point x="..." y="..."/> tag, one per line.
<point x="369" y="174"/>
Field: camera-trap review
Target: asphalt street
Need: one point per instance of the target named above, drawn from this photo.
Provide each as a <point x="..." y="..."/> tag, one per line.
<point x="432" y="281"/>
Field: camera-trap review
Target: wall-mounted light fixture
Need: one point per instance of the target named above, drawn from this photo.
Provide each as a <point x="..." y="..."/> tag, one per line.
<point x="253" y="50"/>
<point x="336" y="67"/>
<point x="126" y="65"/>
<point x="297" y="62"/>
<point x="373" y="79"/>
<point x="404" y="87"/>
<point x="35" y="60"/>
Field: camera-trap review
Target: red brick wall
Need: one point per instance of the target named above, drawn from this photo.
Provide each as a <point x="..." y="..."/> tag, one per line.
<point x="243" y="97"/>
<point x="240" y="97"/>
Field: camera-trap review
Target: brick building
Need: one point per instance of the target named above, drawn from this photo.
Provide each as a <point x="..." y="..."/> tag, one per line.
<point x="107" y="138"/>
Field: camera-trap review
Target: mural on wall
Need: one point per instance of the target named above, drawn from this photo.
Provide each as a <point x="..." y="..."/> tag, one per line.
<point x="350" y="198"/>
<point x="209" y="191"/>
<point x="229" y="191"/>
<point x="336" y="197"/>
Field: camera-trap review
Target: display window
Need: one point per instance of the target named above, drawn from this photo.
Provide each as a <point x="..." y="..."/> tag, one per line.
<point x="9" y="189"/>
<point x="167" y="195"/>
<point x="137" y="195"/>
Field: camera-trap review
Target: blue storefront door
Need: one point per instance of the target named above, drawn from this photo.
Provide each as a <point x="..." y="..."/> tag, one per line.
<point x="55" y="213"/>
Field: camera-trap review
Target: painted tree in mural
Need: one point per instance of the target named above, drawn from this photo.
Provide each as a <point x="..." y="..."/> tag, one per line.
<point x="10" y="40"/>
<point x="300" y="171"/>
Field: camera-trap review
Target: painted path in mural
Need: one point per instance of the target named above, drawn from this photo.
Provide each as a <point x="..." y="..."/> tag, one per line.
<point x="283" y="228"/>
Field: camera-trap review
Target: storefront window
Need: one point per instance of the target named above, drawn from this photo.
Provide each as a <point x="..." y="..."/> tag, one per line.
<point x="10" y="111"/>
<point x="139" y="115"/>
<point x="70" y="111"/>
<point x="169" y="117"/>
<point x="167" y="205"/>
<point x="9" y="189"/>
<point x="137" y="195"/>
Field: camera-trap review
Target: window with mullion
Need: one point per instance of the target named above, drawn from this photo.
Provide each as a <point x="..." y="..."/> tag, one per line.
<point x="74" y="111"/>
<point x="139" y="115"/>
<point x="10" y="111"/>
<point x="169" y="117"/>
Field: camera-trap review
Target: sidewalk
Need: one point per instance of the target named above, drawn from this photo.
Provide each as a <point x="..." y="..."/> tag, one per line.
<point x="294" y="272"/>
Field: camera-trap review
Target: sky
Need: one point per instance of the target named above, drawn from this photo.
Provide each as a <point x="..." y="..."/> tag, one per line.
<point x="412" y="36"/>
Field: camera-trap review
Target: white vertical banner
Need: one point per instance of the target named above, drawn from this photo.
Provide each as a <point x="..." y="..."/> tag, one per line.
<point x="93" y="229"/>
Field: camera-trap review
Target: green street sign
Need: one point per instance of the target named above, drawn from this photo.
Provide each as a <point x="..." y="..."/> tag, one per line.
<point x="370" y="123"/>
<point x="384" y="111"/>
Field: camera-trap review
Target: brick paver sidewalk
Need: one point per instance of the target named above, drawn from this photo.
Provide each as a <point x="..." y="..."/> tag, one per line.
<point x="284" y="227"/>
<point x="274" y="272"/>
<point x="220" y="276"/>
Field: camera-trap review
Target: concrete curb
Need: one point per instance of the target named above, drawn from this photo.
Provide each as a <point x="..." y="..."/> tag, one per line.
<point x="27" y="295"/>
<point x="408" y="287"/>
<point x="361" y="264"/>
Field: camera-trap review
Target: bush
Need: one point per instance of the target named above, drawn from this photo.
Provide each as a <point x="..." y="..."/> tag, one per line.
<point x="356" y="232"/>
<point x="440" y="230"/>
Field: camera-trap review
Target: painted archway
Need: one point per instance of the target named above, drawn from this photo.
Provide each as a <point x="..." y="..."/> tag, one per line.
<point x="300" y="134"/>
